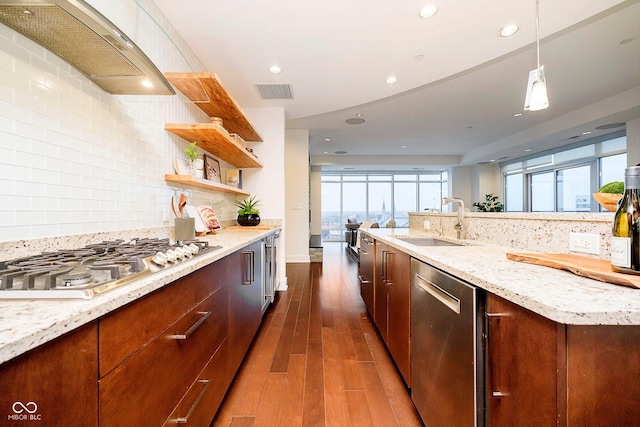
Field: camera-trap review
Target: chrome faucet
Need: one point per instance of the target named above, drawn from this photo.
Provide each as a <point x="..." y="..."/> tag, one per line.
<point x="460" y="225"/>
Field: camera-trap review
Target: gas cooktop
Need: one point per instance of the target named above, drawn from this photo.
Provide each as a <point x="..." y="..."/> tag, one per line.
<point x="94" y="269"/>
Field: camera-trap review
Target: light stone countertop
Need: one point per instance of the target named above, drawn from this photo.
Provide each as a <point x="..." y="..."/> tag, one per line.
<point x="556" y="294"/>
<point x="26" y="324"/>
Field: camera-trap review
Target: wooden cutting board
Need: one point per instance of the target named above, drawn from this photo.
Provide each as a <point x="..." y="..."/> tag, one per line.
<point x="597" y="269"/>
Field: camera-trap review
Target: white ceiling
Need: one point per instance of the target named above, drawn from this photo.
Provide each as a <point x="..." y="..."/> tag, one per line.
<point x="454" y="106"/>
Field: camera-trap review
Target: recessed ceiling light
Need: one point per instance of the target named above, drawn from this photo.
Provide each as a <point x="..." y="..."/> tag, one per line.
<point x="325" y="152"/>
<point x="327" y="139"/>
<point x="404" y="146"/>
<point x="419" y="57"/>
<point x="428" y="11"/>
<point x="492" y="160"/>
<point x="517" y="115"/>
<point x="355" y="121"/>
<point x="274" y="69"/>
<point x="508" y="30"/>
<point x="527" y="150"/>
<point x="391" y="80"/>
<point x="587" y="132"/>
<point x="341" y="152"/>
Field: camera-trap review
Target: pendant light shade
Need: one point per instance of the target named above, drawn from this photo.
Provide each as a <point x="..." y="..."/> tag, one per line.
<point x="536" y="97"/>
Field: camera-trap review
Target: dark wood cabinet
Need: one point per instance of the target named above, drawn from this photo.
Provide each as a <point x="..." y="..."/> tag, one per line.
<point x="542" y="373"/>
<point x="176" y="330"/>
<point x="392" y="304"/>
<point x="245" y="300"/>
<point x="522" y="357"/>
<point x="54" y="384"/>
<point x="367" y="253"/>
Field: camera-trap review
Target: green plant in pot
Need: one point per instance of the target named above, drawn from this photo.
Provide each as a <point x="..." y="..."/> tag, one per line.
<point x="191" y="151"/>
<point x="490" y="204"/>
<point x="248" y="214"/>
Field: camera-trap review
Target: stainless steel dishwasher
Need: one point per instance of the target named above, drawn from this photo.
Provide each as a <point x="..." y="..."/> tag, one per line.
<point x="447" y="363"/>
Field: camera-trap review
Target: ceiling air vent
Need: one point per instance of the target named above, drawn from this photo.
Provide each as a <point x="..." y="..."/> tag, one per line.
<point x="275" y="91"/>
<point x="83" y="37"/>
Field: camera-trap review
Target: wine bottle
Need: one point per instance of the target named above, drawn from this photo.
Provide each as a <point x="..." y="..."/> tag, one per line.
<point x="625" y="240"/>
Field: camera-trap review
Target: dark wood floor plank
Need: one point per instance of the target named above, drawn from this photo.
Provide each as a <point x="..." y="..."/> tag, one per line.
<point x="271" y="404"/>
<point x="359" y="414"/>
<point x="293" y="393"/>
<point x="242" y="422"/>
<point x="313" y="410"/>
<point x="332" y="368"/>
<point x="301" y="335"/>
<point x="336" y="408"/>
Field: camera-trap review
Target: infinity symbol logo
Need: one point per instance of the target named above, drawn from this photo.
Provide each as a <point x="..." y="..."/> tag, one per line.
<point x="19" y="407"/>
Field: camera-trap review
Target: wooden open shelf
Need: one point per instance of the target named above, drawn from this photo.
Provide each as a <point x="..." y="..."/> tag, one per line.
<point x="204" y="183"/>
<point x="206" y="91"/>
<point x="211" y="139"/>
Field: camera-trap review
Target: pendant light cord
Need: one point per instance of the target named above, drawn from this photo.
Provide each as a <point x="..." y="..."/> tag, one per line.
<point x="538" y="31"/>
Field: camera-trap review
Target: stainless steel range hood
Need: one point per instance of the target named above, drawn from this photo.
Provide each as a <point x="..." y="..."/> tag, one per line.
<point x="83" y="37"/>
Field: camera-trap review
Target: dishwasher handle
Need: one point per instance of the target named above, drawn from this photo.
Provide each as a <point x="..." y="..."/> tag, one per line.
<point x="438" y="293"/>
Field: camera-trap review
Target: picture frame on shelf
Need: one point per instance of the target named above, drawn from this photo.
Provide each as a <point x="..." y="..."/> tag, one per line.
<point x="212" y="169"/>
<point x="233" y="178"/>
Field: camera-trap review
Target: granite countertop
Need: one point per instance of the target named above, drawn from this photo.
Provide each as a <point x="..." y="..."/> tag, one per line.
<point x="558" y="295"/>
<point x="26" y="324"/>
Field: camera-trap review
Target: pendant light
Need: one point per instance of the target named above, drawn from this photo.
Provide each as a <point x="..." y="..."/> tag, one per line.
<point x="536" y="98"/>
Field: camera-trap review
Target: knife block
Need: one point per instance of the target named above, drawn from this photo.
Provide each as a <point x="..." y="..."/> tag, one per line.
<point x="185" y="228"/>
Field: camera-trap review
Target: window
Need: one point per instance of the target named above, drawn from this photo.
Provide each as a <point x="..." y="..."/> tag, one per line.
<point x="378" y="198"/>
<point x="564" y="180"/>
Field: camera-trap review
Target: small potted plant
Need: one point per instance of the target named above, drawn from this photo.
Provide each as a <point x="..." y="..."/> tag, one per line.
<point x="490" y="204"/>
<point x="196" y="164"/>
<point x="248" y="214"/>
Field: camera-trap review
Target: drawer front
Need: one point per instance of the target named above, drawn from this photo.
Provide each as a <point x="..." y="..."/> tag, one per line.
<point x="203" y="398"/>
<point x="128" y="329"/>
<point x="145" y="389"/>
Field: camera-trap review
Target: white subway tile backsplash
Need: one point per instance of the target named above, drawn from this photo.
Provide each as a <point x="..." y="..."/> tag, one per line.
<point x="74" y="159"/>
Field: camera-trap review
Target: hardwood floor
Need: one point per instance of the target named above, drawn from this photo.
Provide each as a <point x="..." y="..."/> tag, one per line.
<point x="317" y="359"/>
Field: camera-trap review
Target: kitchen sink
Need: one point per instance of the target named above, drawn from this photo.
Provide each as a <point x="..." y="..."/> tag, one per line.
<point x="428" y="241"/>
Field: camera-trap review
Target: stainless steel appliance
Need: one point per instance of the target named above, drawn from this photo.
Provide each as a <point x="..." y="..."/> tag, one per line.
<point x="270" y="270"/>
<point x="447" y="369"/>
<point x="82" y="36"/>
<point x="92" y="270"/>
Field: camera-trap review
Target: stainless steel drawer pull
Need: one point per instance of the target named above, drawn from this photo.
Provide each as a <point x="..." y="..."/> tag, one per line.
<point x="438" y="293"/>
<point x="192" y="329"/>
<point x="185" y="419"/>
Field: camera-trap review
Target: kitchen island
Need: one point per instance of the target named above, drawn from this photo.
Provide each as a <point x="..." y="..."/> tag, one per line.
<point x="556" y="348"/>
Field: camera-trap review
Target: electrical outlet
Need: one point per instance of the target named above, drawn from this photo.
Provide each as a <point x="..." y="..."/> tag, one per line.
<point x="427" y="225"/>
<point x="166" y="215"/>
<point x="585" y="243"/>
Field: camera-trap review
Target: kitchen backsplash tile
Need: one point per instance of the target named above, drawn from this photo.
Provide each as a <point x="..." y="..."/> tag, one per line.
<point x="76" y="160"/>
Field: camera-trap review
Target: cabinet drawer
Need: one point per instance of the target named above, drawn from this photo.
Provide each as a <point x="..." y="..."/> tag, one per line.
<point x="145" y="389"/>
<point x="128" y="329"/>
<point x="201" y="402"/>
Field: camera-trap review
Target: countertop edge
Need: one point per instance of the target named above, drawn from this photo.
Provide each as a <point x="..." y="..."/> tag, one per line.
<point x="50" y="319"/>
<point x="555" y="294"/>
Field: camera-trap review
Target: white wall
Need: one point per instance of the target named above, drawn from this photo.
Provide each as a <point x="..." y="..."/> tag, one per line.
<point x="462" y="186"/>
<point x="485" y="180"/>
<point x="633" y="142"/>
<point x="316" y="201"/>
<point x="297" y="195"/>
